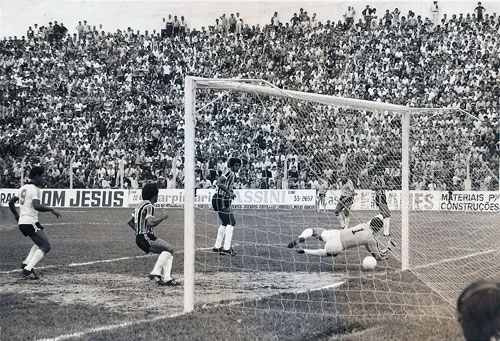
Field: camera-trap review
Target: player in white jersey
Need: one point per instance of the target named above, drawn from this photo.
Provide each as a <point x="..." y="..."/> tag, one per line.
<point x="29" y="196"/>
<point x="143" y="221"/>
<point x="340" y="240"/>
<point x="321" y="194"/>
<point x="343" y="209"/>
<point x="221" y="203"/>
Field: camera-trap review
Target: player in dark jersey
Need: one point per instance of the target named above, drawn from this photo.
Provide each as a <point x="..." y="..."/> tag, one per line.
<point x="143" y="221"/>
<point x="378" y="185"/>
<point x="221" y="203"/>
<point x="29" y="197"/>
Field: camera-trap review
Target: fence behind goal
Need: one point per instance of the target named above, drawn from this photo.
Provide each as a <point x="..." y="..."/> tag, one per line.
<point x="295" y="146"/>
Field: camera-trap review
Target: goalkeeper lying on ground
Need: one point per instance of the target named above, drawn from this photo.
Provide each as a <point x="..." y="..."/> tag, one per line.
<point x="339" y="240"/>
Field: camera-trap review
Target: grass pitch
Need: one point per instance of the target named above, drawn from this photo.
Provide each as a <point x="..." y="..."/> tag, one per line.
<point x="93" y="285"/>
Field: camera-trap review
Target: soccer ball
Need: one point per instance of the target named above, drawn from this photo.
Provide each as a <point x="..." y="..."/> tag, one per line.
<point x="369" y="263"/>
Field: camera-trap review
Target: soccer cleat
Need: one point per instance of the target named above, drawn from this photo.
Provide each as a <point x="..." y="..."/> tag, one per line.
<point x="301" y="251"/>
<point x="229" y="252"/>
<point x="30" y="274"/>
<point x="170" y="283"/>
<point x="218" y="250"/>
<point x="154" y="277"/>
<point x="294" y="243"/>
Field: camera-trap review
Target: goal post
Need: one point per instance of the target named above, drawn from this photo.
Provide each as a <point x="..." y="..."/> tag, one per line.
<point x="259" y="241"/>
<point x="189" y="193"/>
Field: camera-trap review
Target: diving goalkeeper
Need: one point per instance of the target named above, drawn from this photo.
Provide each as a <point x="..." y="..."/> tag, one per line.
<point x="340" y="240"/>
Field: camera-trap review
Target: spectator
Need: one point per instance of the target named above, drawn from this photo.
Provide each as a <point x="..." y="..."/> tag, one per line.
<point x="435" y="13"/>
<point x="349" y="17"/>
<point x="169" y="26"/>
<point x="478" y="309"/>
<point x="479" y="10"/>
<point x="116" y="87"/>
<point x="367" y="14"/>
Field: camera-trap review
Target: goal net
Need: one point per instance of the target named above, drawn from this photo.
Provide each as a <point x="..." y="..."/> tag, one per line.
<point x="437" y="175"/>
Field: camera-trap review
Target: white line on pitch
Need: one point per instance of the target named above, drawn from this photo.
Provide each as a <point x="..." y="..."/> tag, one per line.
<point x="453" y="259"/>
<point x="154" y="319"/>
<point x="95" y="262"/>
<point x="110" y="327"/>
<point x="86" y="223"/>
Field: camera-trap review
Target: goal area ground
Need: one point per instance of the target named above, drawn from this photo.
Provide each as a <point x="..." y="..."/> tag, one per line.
<point x="94" y="286"/>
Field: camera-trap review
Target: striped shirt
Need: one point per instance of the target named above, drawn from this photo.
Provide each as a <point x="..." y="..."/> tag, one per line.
<point x="141" y="213"/>
<point x="228" y="179"/>
<point x="379" y="185"/>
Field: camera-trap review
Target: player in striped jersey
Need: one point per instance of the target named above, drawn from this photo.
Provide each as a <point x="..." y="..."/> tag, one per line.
<point x="343" y="209"/>
<point x="378" y="185"/>
<point x="143" y="221"/>
<point x="29" y="196"/>
<point x="340" y="240"/>
<point x="221" y="203"/>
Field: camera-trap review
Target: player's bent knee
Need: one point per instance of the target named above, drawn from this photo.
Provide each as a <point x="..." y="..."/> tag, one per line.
<point x="45" y="248"/>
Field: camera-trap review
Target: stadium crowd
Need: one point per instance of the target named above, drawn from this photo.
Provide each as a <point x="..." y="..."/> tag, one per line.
<point x="106" y="102"/>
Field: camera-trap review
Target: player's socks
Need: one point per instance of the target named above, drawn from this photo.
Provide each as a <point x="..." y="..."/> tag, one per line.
<point x="220" y="237"/>
<point x="346" y="222"/>
<point x="159" y="264"/>
<point x="307" y="233"/>
<point x="30" y="254"/>
<point x="341" y="220"/>
<point x="318" y="252"/>
<point x="167" y="266"/>
<point x="37" y="257"/>
<point x="386" y="226"/>
<point x="228" y="237"/>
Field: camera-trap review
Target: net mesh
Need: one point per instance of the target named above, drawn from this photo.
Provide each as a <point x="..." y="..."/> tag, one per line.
<point x="295" y="149"/>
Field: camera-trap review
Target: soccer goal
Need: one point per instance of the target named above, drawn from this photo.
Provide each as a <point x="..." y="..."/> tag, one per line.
<point x="295" y="146"/>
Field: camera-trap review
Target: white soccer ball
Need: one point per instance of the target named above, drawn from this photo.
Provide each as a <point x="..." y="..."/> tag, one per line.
<point x="369" y="263"/>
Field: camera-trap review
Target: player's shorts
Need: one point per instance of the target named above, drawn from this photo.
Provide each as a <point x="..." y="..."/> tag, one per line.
<point x="219" y="204"/>
<point x="144" y="241"/>
<point x="30" y="229"/>
<point x="380" y="199"/>
<point x="333" y="244"/>
<point x="344" y="202"/>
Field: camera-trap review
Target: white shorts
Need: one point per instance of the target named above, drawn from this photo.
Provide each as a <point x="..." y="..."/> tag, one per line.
<point x="333" y="243"/>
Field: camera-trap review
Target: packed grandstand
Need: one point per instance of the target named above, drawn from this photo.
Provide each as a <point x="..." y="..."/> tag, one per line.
<point x="97" y="100"/>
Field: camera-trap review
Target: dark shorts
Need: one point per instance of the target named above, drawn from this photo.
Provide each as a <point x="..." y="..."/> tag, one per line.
<point x="30" y="229"/>
<point x="219" y="203"/>
<point x="380" y="199"/>
<point x="144" y="241"/>
<point x="344" y="203"/>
